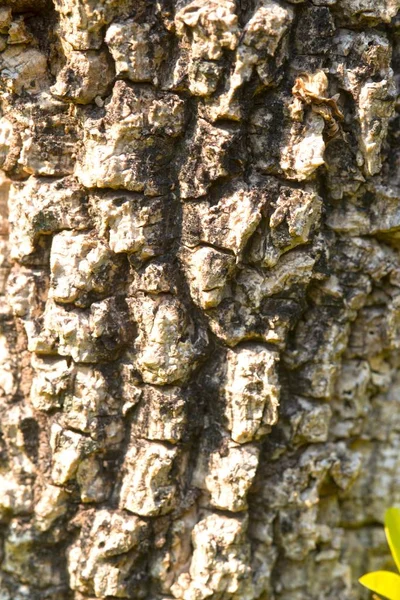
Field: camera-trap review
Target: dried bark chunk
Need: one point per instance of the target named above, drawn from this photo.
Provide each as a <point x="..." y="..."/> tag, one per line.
<point x="141" y="126"/>
<point x="292" y="217"/>
<point x="367" y="11"/>
<point x="86" y="335"/>
<point x="139" y="49"/>
<point x="263" y="48"/>
<point x="104" y="555"/>
<point x="228" y="223"/>
<point x="23" y="69"/>
<point x="209" y="153"/>
<point x="49" y="143"/>
<point x="363" y="69"/>
<point x="148" y="488"/>
<point x="42" y="206"/>
<point x="207" y="271"/>
<point x="215" y="572"/>
<point x="132" y="223"/>
<point x="226" y="474"/>
<point x="170" y="344"/>
<point x="250" y="391"/>
<point x="85" y="76"/>
<point x="162" y="414"/>
<point x="82" y="268"/>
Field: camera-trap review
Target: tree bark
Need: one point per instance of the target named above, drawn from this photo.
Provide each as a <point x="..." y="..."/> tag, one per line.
<point x="200" y="297"/>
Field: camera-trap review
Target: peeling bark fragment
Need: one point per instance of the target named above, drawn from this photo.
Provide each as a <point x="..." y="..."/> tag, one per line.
<point x="372" y="333"/>
<point x="304" y="151"/>
<point x="311" y="424"/>
<point x="52" y="505"/>
<point x="68" y="448"/>
<point x="294" y="269"/>
<point x="253" y="309"/>
<point x="50" y="382"/>
<point x="367" y="11"/>
<point x="214" y="26"/>
<point x="155" y="277"/>
<point x="45" y="137"/>
<point x="363" y="69"/>
<point x="10" y="144"/>
<point x="263" y="35"/>
<point x="286" y="146"/>
<point x="5" y="19"/>
<point x="82" y="22"/>
<point x="376" y="107"/>
<point x="269" y="322"/>
<point x="373" y="211"/>
<point x="87" y="399"/>
<point x="207" y="29"/>
<point x="18" y="469"/>
<point x="263" y="48"/>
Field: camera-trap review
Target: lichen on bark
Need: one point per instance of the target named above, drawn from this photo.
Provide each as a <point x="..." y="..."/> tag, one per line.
<point x="200" y="297"/>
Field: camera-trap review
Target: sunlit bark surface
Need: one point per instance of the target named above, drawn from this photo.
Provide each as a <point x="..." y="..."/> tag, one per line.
<point x="200" y="298"/>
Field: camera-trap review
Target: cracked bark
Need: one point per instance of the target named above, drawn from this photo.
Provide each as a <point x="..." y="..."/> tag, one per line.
<point x="200" y="305"/>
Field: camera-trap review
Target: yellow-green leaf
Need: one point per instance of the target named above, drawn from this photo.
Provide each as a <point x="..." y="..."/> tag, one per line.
<point x="392" y="530"/>
<point x="383" y="582"/>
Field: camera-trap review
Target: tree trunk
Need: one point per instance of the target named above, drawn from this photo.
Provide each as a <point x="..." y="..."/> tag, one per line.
<point x="200" y="309"/>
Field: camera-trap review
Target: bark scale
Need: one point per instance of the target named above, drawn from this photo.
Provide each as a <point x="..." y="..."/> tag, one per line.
<point x="200" y="297"/>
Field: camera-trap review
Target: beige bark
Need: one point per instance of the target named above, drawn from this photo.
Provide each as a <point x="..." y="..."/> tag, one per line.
<point x="200" y="297"/>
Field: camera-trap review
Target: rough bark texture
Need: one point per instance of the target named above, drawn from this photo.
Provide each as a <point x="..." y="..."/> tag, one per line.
<point x="200" y="309"/>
